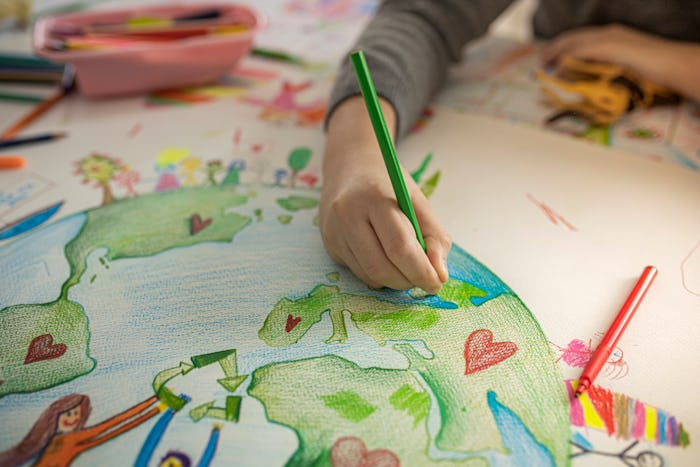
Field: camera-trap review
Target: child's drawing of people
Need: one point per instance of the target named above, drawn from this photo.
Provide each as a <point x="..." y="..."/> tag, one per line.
<point x="59" y="435"/>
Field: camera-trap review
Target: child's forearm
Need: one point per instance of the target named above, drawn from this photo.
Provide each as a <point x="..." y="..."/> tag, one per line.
<point x="409" y="45"/>
<point x="350" y="140"/>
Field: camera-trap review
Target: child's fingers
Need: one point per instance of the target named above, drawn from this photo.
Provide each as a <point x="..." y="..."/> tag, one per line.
<point x="334" y="235"/>
<point x="437" y="240"/>
<point x="372" y="259"/>
<point x="565" y="43"/>
<point x="398" y="240"/>
<point x="352" y="263"/>
<point x="437" y="254"/>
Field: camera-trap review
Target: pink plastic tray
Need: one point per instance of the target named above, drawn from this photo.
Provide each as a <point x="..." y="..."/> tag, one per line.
<point x="142" y="68"/>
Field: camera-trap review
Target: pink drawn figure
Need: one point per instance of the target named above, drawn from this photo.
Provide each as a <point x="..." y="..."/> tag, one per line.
<point x="127" y="178"/>
<point x="577" y="353"/>
<point x="167" y="179"/>
<point x="284" y="106"/>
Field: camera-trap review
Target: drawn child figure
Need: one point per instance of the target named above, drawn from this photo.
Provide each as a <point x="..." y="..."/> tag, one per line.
<point x="212" y="169"/>
<point x="285" y="106"/>
<point x="409" y="45"/>
<point x="167" y="180"/>
<point x="59" y="434"/>
<point x="233" y="173"/>
<point x="175" y="458"/>
<point x="188" y="167"/>
<point x="127" y="178"/>
<point x="577" y="353"/>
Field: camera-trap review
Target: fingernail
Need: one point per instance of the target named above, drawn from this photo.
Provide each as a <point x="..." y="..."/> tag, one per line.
<point x="443" y="273"/>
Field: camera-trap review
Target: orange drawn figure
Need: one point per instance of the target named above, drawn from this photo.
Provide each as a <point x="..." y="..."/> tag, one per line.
<point x="59" y="434"/>
<point x="188" y="167"/>
<point x="284" y="106"/>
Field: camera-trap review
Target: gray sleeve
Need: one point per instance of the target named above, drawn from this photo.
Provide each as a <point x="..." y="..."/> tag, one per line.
<point x="409" y="45"/>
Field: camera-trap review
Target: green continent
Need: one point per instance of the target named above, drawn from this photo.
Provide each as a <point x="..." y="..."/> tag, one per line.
<point x="296" y="394"/>
<point x="57" y="359"/>
<point x="382" y="318"/>
<point x="128" y="228"/>
<point x="296" y="203"/>
<point x="527" y="382"/>
<point x="148" y="225"/>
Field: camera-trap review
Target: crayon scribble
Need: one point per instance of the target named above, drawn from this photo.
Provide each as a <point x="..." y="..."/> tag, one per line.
<point x="577" y="353"/>
<point x="624" y="417"/>
<point x="552" y="215"/>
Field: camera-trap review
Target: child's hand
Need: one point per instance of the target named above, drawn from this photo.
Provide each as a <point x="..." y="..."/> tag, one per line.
<point x="361" y="224"/>
<point x="651" y="57"/>
<point x="617" y="44"/>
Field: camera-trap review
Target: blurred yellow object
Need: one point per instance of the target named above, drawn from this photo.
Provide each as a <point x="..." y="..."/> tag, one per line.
<point x="599" y="92"/>
<point x="16" y="10"/>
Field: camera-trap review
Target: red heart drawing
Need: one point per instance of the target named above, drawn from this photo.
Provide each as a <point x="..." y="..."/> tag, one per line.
<point x="43" y="348"/>
<point x="197" y="224"/>
<point x="350" y="451"/>
<point x="291" y="322"/>
<point x="480" y="352"/>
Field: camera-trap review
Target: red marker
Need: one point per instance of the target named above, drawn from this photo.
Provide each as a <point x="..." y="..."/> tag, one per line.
<point x="609" y="342"/>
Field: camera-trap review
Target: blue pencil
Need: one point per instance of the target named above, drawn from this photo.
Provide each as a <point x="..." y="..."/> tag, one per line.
<point x="6" y="143"/>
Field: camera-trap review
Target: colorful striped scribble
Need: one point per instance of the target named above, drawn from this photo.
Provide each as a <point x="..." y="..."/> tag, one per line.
<point x="624" y="417"/>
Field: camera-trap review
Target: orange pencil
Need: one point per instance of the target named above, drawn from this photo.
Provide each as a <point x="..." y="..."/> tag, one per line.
<point x="11" y="162"/>
<point x="67" y="83"/>
<point x="33" y="115"/>
<point x="609" y="342"/>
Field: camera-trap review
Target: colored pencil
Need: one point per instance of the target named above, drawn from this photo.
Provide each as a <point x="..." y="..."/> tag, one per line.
<point x="7" y="143"/>
<point x="100" y="41"/>
<point x="16" y="60"/>
<point x="385" y="144"/>
<point x="613" y="334"/>
<point x="200" y="20"/>
<point x="19" y="97"/>
<point x="37" y="112"/>
<point x="277" y="55"/>
<point x="67" y="84"/>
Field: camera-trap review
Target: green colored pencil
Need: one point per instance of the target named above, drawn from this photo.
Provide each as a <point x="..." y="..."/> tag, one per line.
<point x="4" y="96"/>
<point x="385" y="144"/>
<point x="277" y="55"/>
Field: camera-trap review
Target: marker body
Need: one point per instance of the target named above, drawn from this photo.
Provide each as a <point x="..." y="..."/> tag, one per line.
<point x="617" y="328"/>
<point x="595" y="364"/>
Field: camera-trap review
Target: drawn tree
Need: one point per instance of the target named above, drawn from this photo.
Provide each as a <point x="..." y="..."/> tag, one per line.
<point x="298" y="160"/>
<point x="100" y="169"/>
